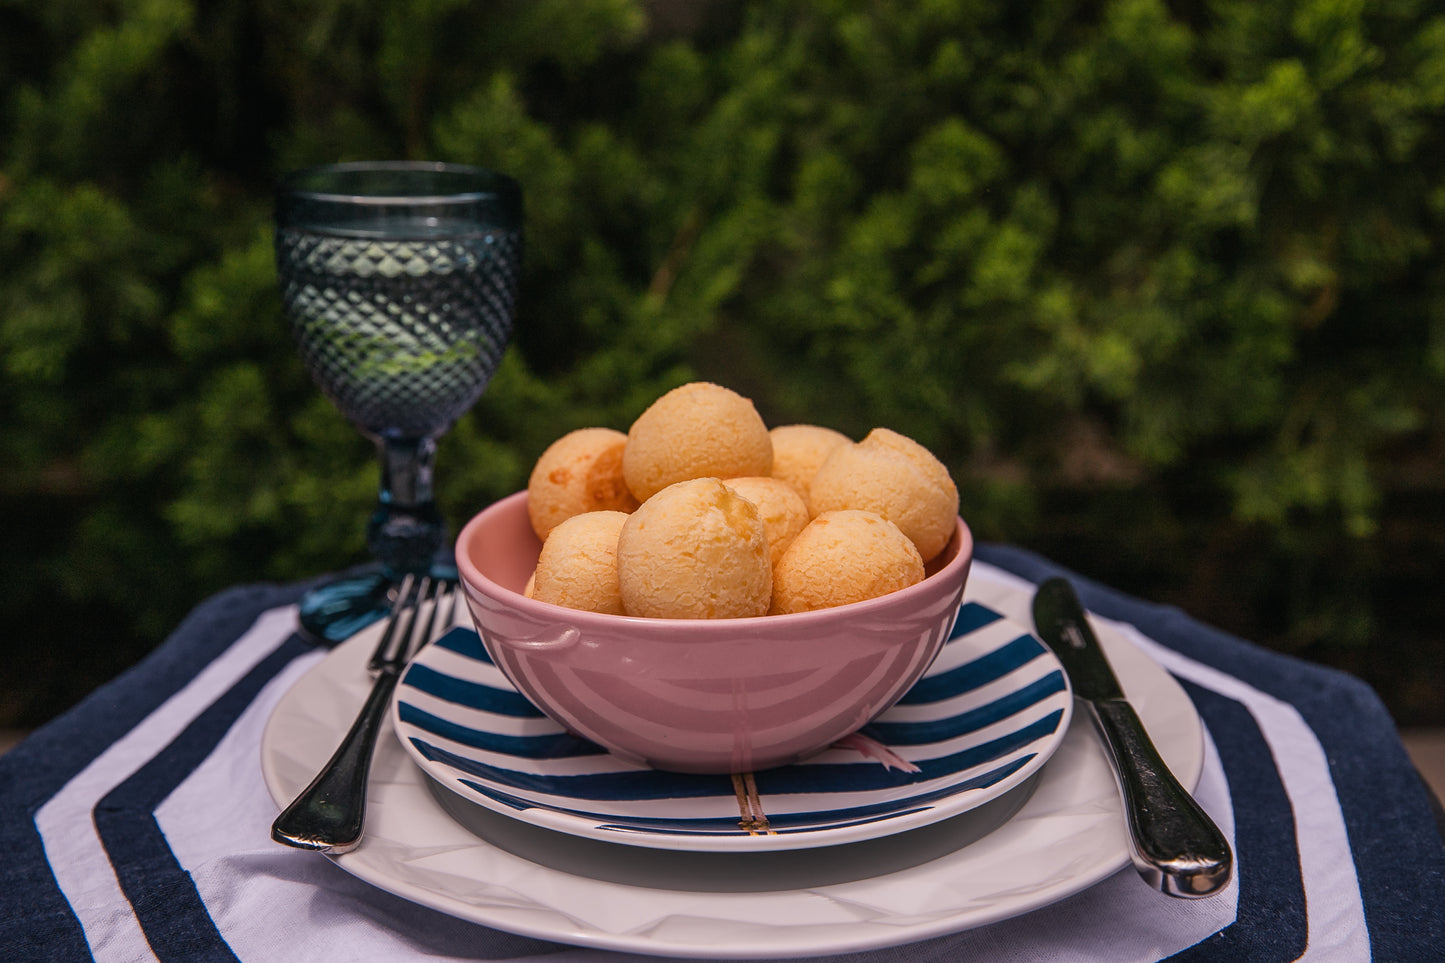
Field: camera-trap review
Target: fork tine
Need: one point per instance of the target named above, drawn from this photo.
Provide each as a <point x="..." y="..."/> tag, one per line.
<point x="401" y="641"/>
<point x="415" y="643"/>
<point x="403" y="596"/>
<point x="456" y="593"/>
<point x="398" y="654"/>
<point x="414" y="595"/>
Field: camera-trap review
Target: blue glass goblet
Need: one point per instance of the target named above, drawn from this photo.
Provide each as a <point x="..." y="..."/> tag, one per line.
<point x="400" y="284"/>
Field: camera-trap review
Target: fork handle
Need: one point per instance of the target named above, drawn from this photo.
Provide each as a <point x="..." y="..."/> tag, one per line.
<point x="328" y="814"/>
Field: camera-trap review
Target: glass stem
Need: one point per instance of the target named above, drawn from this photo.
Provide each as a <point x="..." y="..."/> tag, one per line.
<point x="406" y="531"/>
<point x="407" y="470"/>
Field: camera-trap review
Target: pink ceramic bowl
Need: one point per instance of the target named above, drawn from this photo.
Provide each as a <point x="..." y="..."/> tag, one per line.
<point x="716" y="696"/>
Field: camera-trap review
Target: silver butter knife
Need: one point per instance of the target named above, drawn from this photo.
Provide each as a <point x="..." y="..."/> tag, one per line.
<point x="1173" y="843"/>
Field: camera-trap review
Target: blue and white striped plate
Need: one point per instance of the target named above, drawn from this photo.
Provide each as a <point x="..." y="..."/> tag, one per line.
<point x="987" y="715"/>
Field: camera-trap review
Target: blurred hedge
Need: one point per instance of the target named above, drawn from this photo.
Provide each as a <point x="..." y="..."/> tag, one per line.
<point x="1161" y="282"/>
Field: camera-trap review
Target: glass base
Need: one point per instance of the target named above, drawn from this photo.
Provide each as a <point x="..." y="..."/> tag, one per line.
<point x="334" y="612"/>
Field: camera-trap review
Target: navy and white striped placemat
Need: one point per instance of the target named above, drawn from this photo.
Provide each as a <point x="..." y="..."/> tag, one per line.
<point x="135" y="826"/>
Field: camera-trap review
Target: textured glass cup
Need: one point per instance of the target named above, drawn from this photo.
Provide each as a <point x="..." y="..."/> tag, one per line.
<point x="400" y="284"/>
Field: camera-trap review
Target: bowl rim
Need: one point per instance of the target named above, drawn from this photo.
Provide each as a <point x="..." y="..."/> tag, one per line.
<point x="955" y="569"/>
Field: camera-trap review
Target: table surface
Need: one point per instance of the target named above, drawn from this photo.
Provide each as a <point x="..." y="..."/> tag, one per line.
<point x="1338" y="841"/>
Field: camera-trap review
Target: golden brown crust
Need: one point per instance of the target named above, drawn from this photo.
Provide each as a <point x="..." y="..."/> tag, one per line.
<point x="779" y="505"/>
<point x="798" y="451"/>
<point x="896" y="477"/>
<point x="578" y="473"/>
<point x="843" y="557"/>
<point x="578" y="564"/>
<point x="695" y="550"/>
<point x="699" y="430"/>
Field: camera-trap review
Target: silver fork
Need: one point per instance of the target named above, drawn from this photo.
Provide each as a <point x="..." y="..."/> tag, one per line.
<point x="328" y="814"/>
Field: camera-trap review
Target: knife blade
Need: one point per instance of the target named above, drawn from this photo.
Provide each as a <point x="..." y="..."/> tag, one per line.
<point x="1173" y="843"/>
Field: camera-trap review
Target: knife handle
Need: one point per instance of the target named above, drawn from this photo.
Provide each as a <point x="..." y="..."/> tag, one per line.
<point x="1173" y="843"/>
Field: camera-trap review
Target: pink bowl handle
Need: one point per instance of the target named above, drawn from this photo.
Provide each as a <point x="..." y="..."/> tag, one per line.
<point x="547" y="642"/>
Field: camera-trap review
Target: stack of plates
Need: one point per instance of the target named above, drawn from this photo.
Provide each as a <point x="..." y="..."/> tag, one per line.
<point x="972" y="800"/>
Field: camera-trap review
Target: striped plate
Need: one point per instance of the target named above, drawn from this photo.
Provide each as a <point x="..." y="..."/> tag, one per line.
<point x="985" y="717"/>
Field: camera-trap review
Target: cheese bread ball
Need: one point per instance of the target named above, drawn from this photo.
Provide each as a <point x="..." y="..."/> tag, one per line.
<point x="700" y="430"/>
<point x="782" y="509"/>
<point x="842" y="557"/>
<point x="896" y="477"/>
<point x="798" y="450"/>
<point x="695" y="550"/>
<point x="579" y="472"/>
<point x="578" y="564"/>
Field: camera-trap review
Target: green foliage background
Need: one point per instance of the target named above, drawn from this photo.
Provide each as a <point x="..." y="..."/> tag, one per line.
<point x="1161" y="282"/>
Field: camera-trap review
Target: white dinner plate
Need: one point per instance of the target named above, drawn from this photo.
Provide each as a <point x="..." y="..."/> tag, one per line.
<point x="1055" y="835"/>
<point x="989" y="712"/>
